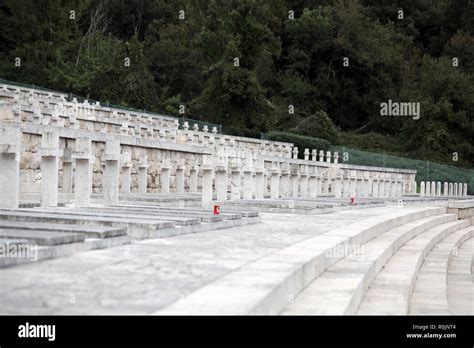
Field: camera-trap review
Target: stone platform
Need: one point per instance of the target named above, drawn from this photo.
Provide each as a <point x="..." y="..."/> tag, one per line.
<point x="327" y="204"/>
<point x="288" y="264"/>
<point x="161" y="199"/>
<point x="62" y="231"/>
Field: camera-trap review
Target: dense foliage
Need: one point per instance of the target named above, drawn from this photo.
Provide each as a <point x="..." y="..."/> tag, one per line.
<point x="283" y="64"/>
<point x="300" y="141"/>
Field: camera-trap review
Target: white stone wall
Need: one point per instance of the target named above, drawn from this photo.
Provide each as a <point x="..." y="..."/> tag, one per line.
<point x="158" y="139"/>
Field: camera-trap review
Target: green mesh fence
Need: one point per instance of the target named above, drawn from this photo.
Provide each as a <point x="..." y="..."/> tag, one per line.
<point x="425" y="170"/>
<point x="242" y="132"/>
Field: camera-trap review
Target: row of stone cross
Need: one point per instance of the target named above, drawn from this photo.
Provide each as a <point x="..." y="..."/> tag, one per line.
<point x="433" y="188"/>
<point x="205" y="128"/>
<point x="57" y="106"/>
<point x="295" y="181"/>
<point x="48" y="109"/>
<point x="248" y="179"/>
<point x="54" y="110"/>
<point x="61" y="113"/>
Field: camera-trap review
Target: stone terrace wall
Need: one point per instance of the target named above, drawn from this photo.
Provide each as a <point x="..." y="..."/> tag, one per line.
<point x="155" y="155"/>
<point x="36" y="106"/>
<point x="32" y="106"/>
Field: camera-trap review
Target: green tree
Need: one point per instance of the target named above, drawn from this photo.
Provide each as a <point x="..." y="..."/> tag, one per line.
<point x="234" y="41"/>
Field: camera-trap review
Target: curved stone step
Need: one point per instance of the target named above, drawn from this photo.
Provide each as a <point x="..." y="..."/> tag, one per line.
<point x="265" y="285"/>
<point x="390" y="291"/>
<point x="460" y="292"/>
<point x="430" y="291"/>
<point x="340" y="289"/>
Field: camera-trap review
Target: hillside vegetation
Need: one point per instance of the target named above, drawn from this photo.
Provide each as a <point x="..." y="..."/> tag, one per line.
<point x="246" y="64"/>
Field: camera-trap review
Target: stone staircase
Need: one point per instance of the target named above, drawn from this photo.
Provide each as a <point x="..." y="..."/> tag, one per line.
<point x="269" y="284"/>
<point x="430" y="292"/>
<point x="341" y="288"/>
<point x="391" y="290"/>
<point x="369" y="267"/>
<point x="460" y="280"/>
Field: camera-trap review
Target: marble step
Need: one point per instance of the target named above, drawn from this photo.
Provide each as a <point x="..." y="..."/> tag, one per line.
<point x="340" y="289"/>
<point x="136" y="227"/>
<point x="390" y="292"/>
<point x="158" y="197"/>
<point x="35" y="253"/>
<point x="152" y="211"/>
<point x="226" y="215"/>
<point x="179" y="221"/>
<point x="161" y="199"/>
<point x="6" y="242"/>
<point x="42" y="237"/>
<point x="264" y="286"/>
<point x="430" y="291"/>
<point x="296" y="206"/>
<point x="192" y="210"/>
<point x="460" y="287"/>
<point x="89" y="231"/>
